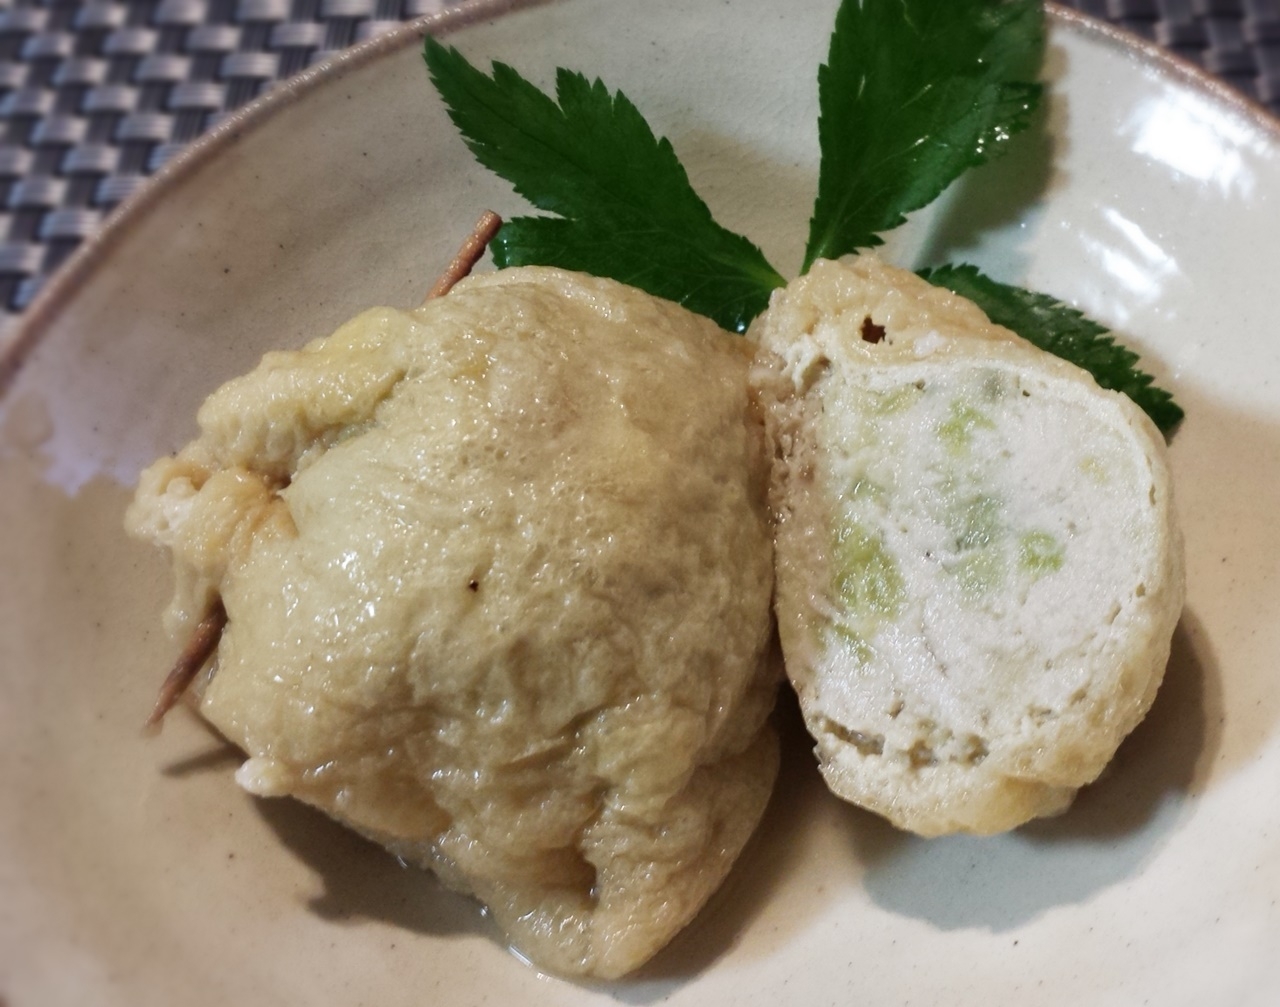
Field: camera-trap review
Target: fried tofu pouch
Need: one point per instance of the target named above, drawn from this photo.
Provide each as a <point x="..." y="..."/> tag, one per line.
<point x="978" y="559"/>
<point x="497" y="574"/>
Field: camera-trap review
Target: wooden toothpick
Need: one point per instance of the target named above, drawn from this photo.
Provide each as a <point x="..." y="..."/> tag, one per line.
<point x="468" y="255"/>
<point x="203" y="642"/>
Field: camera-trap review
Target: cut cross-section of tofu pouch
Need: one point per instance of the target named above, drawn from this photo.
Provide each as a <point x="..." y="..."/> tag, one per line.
<point x="978" y="566"/>
<point x="497" y="575"/>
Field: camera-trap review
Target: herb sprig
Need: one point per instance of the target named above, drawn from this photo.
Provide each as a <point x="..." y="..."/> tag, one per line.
<point x="911" y="96"/>
<point x="624" y="203"/>
<point x="913" y="93"/>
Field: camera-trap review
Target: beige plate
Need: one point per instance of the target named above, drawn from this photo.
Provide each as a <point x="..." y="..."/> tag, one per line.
<point x="133" y="872"/>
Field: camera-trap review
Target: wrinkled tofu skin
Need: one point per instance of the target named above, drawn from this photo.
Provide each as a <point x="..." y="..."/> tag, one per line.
<point x="497" y="574"/>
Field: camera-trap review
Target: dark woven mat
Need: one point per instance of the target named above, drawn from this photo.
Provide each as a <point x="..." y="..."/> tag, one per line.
<point x="96" y="95"/>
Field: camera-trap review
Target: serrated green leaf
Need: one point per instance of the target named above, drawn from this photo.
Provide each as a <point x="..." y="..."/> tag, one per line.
<point x="1064" y="332"/>
<point x="913" y="93"/>
<point x="627" y="208"/>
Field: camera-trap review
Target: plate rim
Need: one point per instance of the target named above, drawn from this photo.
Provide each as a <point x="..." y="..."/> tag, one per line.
<point x="36" y="321"/>
<point x="33" y="323"/>
<point x="57" y="327"/>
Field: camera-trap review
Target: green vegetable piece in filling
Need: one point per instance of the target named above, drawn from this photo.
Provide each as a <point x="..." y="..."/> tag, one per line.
<point x="976" y="522"/>
<point x="958" y="428"/>
<point x="867" y="579"/>
<point x="1040" y="553"/>
<point x="980" y="571"/>
<point x="894" y="400"/>
<point x="856" y="643"/>
<point x="1094" y="468"/>
<point x="995" y="386"/>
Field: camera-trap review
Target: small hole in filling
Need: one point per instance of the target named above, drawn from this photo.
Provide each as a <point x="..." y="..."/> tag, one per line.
<point x="866" y="744"/>
<point x="921" y="755"/>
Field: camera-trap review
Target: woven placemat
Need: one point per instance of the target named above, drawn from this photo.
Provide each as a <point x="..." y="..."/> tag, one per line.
<point x="95" y="96"/>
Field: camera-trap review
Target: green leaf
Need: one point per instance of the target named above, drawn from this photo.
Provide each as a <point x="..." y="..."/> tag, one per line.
<point x="624" y="203"/>
<point x="913" y="93"/>
<point x="1064" y="332"/>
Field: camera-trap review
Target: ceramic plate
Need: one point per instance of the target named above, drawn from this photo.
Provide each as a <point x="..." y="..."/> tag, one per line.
<point x="134" y="872"/>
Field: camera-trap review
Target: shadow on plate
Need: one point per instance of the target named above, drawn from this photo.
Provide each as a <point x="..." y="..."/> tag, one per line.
<point x="1115" y="825"/>
<point x="998" y="882"/>
<point x="221" y="755"/>
<point x="961" y="881"/>
<point x="363" y="881"/>
<point x="224" y="757"/>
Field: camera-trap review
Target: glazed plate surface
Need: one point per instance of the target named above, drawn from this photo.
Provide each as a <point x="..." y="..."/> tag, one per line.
<point x="134" y="872"/>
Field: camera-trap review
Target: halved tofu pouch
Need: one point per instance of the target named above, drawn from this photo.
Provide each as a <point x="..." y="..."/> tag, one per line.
<point x="978" y="564"/>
